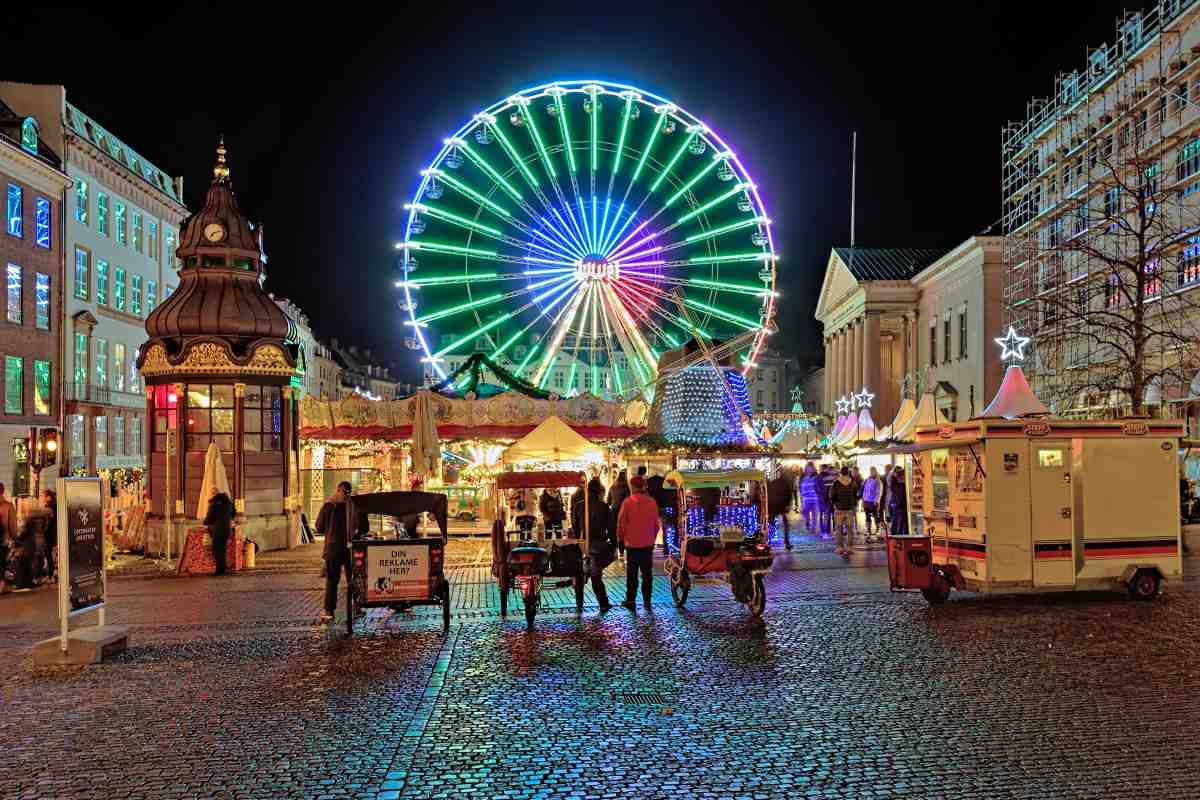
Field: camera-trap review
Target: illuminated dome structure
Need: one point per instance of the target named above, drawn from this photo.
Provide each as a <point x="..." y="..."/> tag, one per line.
<point x="550" y="231"/>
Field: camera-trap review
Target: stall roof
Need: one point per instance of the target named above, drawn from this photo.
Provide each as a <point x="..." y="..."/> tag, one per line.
<point x="712" y="479"/>
<point x="538" y="480"/>
<point x="553" y="440"/>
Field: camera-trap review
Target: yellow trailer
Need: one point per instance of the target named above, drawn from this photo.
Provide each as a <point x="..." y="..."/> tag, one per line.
<point x="1032" y="505"/>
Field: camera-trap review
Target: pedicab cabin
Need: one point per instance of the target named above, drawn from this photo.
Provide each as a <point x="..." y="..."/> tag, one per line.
<point x="1040" y="504"/>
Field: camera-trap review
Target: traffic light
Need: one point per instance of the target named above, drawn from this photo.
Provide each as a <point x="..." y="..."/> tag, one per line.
<point x="49" y="446"/>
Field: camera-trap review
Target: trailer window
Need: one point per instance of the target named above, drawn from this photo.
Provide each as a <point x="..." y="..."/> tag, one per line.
<point x="1050" y="458"/>
<point x="940" y="478"/>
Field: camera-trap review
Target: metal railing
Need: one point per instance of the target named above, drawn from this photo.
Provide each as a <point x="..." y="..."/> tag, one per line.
<point x="103" y="395"/>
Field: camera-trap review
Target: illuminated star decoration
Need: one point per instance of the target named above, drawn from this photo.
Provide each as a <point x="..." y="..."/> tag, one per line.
<point x="1012" y="345"/>
<point x="843" y="405"/>
<point x="863" y="399"/>
<point x="797" y="393"/>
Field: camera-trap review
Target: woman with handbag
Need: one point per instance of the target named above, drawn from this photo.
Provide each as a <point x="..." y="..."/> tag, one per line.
<point x="602" y="547"/>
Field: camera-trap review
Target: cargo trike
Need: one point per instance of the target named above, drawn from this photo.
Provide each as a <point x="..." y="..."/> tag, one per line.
<point x="402" y="572"/>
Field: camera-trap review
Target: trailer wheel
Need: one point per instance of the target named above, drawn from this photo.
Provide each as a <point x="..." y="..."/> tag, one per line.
<point x="1145" y="585"/>
<point x="504" y="589"/>
<point x="758" y="600"/>
<point x="445" y="606"/>
<point x="680" y="586"/>
<point x="938" y="592"/>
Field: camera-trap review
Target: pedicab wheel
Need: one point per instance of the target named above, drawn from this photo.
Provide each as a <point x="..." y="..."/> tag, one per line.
<point x="938" y="592"/>
<point x="503" y="594"/>
<point x="350" y="609"/>
<point x="531" y="605"/>
<point x="445" y="606"/>
<point x="758" y="600"/>
<point x="578" y="583"/>
<point x="679" y="589"/>
<point x="1145" y="585"/>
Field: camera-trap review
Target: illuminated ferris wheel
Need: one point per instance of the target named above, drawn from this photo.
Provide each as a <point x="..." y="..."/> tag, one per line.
<point x="585" y="228"/>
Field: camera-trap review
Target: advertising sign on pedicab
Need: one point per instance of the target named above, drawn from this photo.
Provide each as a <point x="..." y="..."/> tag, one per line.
<point x="398" y="572"/>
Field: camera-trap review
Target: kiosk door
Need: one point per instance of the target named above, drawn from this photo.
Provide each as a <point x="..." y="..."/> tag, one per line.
<point x="1050" y="513"/>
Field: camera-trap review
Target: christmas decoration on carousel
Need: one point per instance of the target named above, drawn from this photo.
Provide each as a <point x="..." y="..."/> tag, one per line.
<point x="552" y="228"/>
<point x="1012" y="346"/>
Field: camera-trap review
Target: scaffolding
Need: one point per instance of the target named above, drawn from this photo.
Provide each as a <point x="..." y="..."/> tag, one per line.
<point x="1106" y="170"/>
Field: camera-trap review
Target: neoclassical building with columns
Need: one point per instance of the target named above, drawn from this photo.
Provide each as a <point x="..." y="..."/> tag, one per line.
<point x="898" y="322"/>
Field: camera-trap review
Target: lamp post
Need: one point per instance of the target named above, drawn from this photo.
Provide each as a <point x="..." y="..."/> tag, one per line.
<point x="43" y="452"/>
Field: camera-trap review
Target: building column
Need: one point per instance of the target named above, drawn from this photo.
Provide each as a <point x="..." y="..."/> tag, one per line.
<point x="239" y="429"/>
<point x="89" y="441"/>
<point x="826" y="384"/>
<point x="843" y="367"/>
<point x="904" y="362"/>
<point x="178" y="491"/>
<point x="870" y="356"/>
<point x="286" y="444"/>
<point x="856" y="352"/>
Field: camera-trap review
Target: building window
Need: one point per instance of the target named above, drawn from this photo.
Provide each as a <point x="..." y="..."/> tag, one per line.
<point x="102" y="282"/>
<point x="118" y="366"/>
<point x="152" y="239"/>
<point x="1181" y="96"/>
<point x="29" y="135"/>
<point x="119" y="289"/>
<point x="14" y="381"/>
<point x="41" y="388"/>
<point x="13" y="281"/>
<point x="263" y="417"/>
<point x="42" y="296"/>
<point x="1112" y="202"/>
<point x="172" y="262"/>
<point x="118" y="436"/>
<point x="101" y="436"/>
<point x="168" y="291"/>
<point x="135" y="438"/>
<point x="135" y="378"/>
<point x="135" y="295"/>
<point x="933" y="344"/>
<point x="151" y="296"/>
<point x="1189" y="262"/>
<point x="81" y="361"/>
<point x="75" y="439"/>
<point x="15" y="214"/>
<point x="1187" y="160"/>
<point x="81" y="202"/>
<point x="165" y="403"/>
<point x="41" y="219"/>
<point x="946" y="340"/>
<point x="137" y="231"/>
<point x="82" y="269"/>
<point x="962" y="335"/>
<point x="758" y="399"/>
<point x="210" y="416"/>
<point x="101" y="362"/>
<point x="102" y="213"/>
<point x="120" y="221"/>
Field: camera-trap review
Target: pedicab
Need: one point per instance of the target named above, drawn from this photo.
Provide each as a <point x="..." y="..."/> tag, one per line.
<point x="399" y="572"/>
<point x="1003" y="506"/>
<point x="703" y="545"/>
<point x="524" y="557"/>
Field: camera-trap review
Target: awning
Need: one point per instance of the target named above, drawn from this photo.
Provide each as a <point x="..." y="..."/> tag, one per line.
<point x="712" y="479"/>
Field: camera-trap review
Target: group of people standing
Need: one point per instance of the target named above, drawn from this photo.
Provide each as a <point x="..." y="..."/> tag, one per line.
<point x="27" y="549"/>
<point x="626" y="521"/>
<point x="830" y="500"/>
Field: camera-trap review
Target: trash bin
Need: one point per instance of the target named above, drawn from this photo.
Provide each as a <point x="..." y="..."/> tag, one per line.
<point x="248" y="559"/>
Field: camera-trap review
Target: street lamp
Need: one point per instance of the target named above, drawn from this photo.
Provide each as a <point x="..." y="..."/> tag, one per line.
<point x="43" y="452"/>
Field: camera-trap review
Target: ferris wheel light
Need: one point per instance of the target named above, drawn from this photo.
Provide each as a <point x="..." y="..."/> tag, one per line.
<point x="412" y="323"/>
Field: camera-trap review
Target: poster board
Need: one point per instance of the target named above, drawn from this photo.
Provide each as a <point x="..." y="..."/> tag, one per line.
<point x="82" y="580"/>
<point x="397" y="571"/>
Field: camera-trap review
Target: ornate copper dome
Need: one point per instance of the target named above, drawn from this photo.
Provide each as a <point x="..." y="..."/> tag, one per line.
<point x="220" y="298"/>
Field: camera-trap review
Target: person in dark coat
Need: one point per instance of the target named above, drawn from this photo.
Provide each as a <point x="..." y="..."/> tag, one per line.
<point x="898" y="502"/>
<point x="844" y="498"/>
<point x="618" y="493"/>
<point x="829" y="474"/>
<point x="601" y="543"/>
<point x="334" y="524"/>
<point x="219" y="520"/>
<point x="553" y="513"/>
<point x="779" y="499"/>
<point x="666" y="503"/>
<point x="50" y="534"/>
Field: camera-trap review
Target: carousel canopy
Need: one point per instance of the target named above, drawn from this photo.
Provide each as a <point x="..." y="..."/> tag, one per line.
<point x="553" y="440"/>
<point x="712" y="479"/>
<point x="866" y="427"/>
<point x="1014" y="398"/>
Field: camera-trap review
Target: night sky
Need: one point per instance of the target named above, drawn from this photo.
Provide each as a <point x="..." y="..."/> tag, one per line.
<point x="329" y="119"/>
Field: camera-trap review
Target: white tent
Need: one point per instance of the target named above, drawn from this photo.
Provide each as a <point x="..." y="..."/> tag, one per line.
<point x="907" y="409"/>
<point x="214" y="475"/>
<point x="926" y="413"/>
<point x="553" y="440"/>
<point x="866" y="428"/>
<point x="1014" y="398"/>
<point x="849" y="432"/>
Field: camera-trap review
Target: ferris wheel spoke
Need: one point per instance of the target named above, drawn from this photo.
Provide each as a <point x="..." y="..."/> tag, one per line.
<point x="564" y="127"/>
<point x="640" y="347"/>
<point x="563" y="292"/>
<point x="687" y="187"/>
<point x="561" y="324"/>
<point x="615" y="329"/>
<point x="721" y="198"/>
<point x="468" y="192"/>
<point x="687" y="141"/>
<point x="487" y="168"/>
<point x="536" y="135"/>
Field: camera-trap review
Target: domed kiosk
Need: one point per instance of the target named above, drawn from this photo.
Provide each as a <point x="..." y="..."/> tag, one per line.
<point x="219" y="366"/>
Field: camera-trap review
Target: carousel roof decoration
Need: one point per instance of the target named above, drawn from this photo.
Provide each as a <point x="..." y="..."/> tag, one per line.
<point x="1014" y="398"/>
<point x="219" y="321"/>
<point x="469" y="378"/>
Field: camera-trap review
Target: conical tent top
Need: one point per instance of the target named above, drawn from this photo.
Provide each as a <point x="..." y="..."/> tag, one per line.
<point x="1014" y="398"/>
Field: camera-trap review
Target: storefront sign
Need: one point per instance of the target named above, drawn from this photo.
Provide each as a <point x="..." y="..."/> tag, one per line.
<point x="1135" y="429"/>
<point x="81" y="542"/>
<point x="1037" y="428"/>
<point x="397" y="572"/>
<point x="946" y="431"/>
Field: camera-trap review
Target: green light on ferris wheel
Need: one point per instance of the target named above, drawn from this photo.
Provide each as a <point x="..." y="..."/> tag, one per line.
<point x="452" y="249"/>
<point x="529" y="357"/>
<point x="537" y="140"/>
<point x="471" y="193"/>
<point x="595" y="129"/>
<point x="514" y="158"/>
<point x="438" y="281"/>
<point x="566" y="130"/>
<point x="741" y="187"/>
<point x="740" y="288"/>
<point x="482" y="163"/>
<point x="459" y="308"/>
<point x="730" y="258"/>
<point x="621" y="140"/>
<point x="723" y="314"/>
<point x="446" y="216"/>
<point x="671" y="164"/>
<point x="736" y="226"/>
<point x="471" y="336"/>
<point x="693" y="181"/>
<point x="649" y="145"/>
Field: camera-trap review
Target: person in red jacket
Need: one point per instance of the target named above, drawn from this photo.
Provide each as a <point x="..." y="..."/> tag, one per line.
<point x="637" y="527"/>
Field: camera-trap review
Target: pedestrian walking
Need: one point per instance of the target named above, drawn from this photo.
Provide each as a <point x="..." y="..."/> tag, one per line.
<point x="843" y="499"/>
<point x="885" y="501"/>
<point x="810" y="498"/>
<point x="898" y="503"/>
<point x="49" y="533"/>
<point x="602" y="547"/>
<point x="8" y="534"/>
<point x="872" y="491"/>
<point x="637" y="528"/>
<point x="219" y="520"/>
<point x="618" y="493"/>
<point x="335" y="525"/>
<point x="553" y="513"/>
<point x="829" y="474"/>
<point x="779" y="498"/>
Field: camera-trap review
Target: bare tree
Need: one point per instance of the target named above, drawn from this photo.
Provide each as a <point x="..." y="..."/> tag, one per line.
<point x="1118" y="267"/>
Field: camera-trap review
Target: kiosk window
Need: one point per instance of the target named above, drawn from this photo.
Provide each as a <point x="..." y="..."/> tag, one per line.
<point x="1050" y="458"/>
<point x="940" y="478"/>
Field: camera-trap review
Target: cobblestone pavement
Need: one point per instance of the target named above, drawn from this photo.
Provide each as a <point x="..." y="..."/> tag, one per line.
<point x="845" y="690"/>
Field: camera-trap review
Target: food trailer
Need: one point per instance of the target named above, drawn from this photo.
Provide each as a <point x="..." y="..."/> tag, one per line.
<point x="1031" y="505"/>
